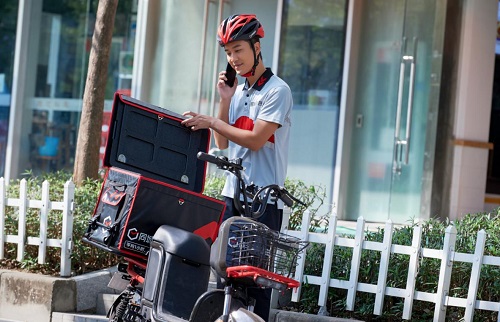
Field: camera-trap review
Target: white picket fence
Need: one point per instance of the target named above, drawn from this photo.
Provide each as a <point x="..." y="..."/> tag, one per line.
<point x="441" y="300"/>
<point x="45" y="205"/>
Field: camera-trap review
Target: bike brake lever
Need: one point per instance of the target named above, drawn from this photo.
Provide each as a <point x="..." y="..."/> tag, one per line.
<point x="286" y="199"/>
<point x="286" y="195"/>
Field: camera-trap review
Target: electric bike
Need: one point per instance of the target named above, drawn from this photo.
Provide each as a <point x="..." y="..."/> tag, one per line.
<point x="172" y="285"/>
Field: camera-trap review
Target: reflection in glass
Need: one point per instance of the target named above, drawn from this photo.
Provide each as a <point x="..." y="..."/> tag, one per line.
<point x="8" y="21"/>
<point x="311" y="60"/>
<point x="62" y="54"/>
<point x="383" y="181"/>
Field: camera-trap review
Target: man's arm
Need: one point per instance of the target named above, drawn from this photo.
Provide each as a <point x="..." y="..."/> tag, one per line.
<point x="253" y="140"/>
<point x="223" y="132"/>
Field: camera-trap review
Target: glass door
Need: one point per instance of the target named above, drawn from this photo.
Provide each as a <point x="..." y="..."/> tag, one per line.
<point x="395" y="111"/>
<point x="312" y="44"/>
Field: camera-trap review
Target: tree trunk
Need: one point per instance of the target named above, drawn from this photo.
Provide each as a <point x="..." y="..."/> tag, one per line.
<point x="89" y="133"/>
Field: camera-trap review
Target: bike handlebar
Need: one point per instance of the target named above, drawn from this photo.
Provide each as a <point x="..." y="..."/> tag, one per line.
<point x="221" y="162"/>
<point x="261" y="195"/>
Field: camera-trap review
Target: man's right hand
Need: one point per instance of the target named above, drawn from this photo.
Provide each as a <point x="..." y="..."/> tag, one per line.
<point x="225" y="92"/>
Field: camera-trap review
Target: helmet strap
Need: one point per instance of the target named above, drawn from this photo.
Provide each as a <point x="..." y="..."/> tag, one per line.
<point x="256" y="59"/>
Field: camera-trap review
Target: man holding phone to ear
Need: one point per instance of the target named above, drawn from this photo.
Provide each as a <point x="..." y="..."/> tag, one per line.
<point x="253" y="121"/>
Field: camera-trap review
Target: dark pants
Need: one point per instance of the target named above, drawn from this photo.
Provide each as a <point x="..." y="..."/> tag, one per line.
<point x="272" y="218"/>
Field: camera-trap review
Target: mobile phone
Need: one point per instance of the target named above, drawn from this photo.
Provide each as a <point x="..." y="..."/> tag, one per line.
<point x="230" y="75"/>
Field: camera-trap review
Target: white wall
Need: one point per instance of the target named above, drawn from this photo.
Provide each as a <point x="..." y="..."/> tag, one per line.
<point x="473" y="108"/>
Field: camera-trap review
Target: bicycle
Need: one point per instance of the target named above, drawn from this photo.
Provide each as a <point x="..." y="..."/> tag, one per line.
<point x="246" y="254"/>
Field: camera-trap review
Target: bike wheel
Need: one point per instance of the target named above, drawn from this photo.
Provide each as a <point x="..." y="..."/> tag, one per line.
<point x="209" y="307"/>
<point x="244" y="315"/>
<point x="236" y="305"/>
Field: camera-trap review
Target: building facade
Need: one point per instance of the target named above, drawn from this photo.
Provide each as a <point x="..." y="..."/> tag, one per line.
<point x="394" y="114"/>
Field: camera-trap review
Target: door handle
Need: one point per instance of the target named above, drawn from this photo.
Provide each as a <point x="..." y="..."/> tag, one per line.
<point x="396" y="162"/>
<point x="413" y="66"/>
<point x="397" y="129"/>
<point x="399" y="143"/>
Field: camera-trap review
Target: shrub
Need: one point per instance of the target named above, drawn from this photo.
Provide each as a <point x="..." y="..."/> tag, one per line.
<point x="313" y="199"/>
<point x="312" y="196"/>
<point x="84" y="257"/>
<point x="427" y="280"/>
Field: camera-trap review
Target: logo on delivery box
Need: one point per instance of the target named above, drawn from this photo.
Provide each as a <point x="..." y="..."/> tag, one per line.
<point x="107" y="221"/>
<point x="134" y="234"/>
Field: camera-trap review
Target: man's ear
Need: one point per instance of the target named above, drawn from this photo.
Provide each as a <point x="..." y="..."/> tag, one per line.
<point x="257" y="47"/>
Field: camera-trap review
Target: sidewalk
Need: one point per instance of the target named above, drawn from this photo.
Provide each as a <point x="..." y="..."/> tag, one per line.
<point x="26" y="297"/>
<point x="30" y="297"/>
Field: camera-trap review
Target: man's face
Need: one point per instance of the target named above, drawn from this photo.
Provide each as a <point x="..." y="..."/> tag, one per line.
<point x="240" y="55"/>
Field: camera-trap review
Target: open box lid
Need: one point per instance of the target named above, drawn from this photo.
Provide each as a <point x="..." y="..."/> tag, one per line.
<point x="151" y="141"/>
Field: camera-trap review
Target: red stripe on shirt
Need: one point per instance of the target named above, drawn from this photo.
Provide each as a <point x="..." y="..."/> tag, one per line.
<point x="246" y="123"/>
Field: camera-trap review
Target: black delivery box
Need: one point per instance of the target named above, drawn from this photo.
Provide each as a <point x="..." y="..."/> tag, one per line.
<point x="151" y="141"/>
<point x="132" y="207"/>
<point x="153" y="178"/>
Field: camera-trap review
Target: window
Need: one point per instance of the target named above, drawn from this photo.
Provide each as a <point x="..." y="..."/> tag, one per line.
<point x="311" y="61"/>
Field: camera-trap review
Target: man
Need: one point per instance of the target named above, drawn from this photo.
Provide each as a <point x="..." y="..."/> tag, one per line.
<point x="253" y="120"/>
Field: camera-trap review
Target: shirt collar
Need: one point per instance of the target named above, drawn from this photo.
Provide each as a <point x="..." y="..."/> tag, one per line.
<point x="263" y="79"/>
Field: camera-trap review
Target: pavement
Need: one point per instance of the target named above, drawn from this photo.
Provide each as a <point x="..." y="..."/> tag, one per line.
<point x="26" y="297"/>
<point x="30" y="297"/>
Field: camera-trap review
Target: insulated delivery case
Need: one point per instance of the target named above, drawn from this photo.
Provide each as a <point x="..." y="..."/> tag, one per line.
<point x="153" y="178"/>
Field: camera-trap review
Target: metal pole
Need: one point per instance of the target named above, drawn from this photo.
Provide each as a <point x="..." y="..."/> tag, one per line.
<point x="202" y="55"/>
<point x="216" y="59"/>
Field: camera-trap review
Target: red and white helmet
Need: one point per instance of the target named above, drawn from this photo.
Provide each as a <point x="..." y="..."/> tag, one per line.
<point x="239" y="27"/>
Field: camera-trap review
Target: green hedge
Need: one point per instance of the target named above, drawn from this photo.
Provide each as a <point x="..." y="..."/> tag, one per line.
<point x="86" y="258"/>
<point x="432" y="237"/>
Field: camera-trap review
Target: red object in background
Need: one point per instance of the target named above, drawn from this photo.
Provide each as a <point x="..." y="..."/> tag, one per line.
<point x="126" y="92"/>
<point x="106" y="119"/>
